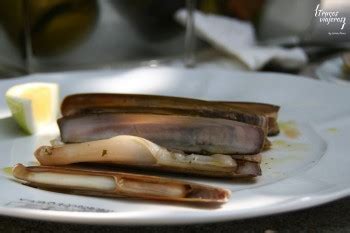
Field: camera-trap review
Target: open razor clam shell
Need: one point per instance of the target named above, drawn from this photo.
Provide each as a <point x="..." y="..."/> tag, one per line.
<point x="138" y="152"/>
<point x="101" y="103"/>
<point x="270" y="111"/>
<point x="186" y="133"/>
<point x="118" y="184"/>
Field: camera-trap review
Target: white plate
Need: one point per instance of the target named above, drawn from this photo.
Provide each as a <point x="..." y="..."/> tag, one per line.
<point x="332" y="70"/>
<point x="299" y="172"/>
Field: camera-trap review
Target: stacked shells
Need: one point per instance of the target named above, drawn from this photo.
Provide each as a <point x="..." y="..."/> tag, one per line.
<point x="169" y="134"/>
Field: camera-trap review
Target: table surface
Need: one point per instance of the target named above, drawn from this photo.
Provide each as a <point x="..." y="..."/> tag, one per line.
<point x="331" y="217"/>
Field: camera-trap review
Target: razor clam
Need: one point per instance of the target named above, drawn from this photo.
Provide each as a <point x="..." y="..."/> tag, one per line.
<point x="270" y="111"/>
<point x="124" y="103"/>
<point x="252" y="158"/>
<point x="139" y="152"/>
<point x="118" y="184"/>
<point x="186" y="133"/>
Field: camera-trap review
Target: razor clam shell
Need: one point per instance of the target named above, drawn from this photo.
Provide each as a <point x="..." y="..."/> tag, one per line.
<point x="137" y="152"/>
<point x="189" y="134"/>
<point x="270" y="111"/>
<point x="125" y="185"/>
<point x="102" y="102"/>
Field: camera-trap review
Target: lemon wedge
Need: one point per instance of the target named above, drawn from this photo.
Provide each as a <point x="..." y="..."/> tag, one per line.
<point x="33" y="105"/>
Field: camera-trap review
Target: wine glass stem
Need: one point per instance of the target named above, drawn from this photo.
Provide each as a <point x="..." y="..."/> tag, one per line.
<point x="190" y="36"/>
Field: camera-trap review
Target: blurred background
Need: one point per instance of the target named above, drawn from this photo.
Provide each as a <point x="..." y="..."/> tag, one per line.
<point x="278" y="35"/>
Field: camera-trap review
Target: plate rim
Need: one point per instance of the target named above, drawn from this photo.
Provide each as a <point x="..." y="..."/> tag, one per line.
<point x="90" y="218"/>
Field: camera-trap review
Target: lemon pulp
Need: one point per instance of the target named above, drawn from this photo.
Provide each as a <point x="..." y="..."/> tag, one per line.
<point x="41" y="100"/>
<point x="33" y="105"/>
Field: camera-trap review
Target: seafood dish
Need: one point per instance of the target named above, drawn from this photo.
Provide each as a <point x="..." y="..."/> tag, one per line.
<point x="219" y="139"/>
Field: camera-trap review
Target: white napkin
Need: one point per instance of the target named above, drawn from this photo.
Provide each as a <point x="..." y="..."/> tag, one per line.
<point x="237" y="38"/>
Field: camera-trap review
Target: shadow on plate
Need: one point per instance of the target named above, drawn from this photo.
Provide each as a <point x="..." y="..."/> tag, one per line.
<point x="9" y="129"/>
